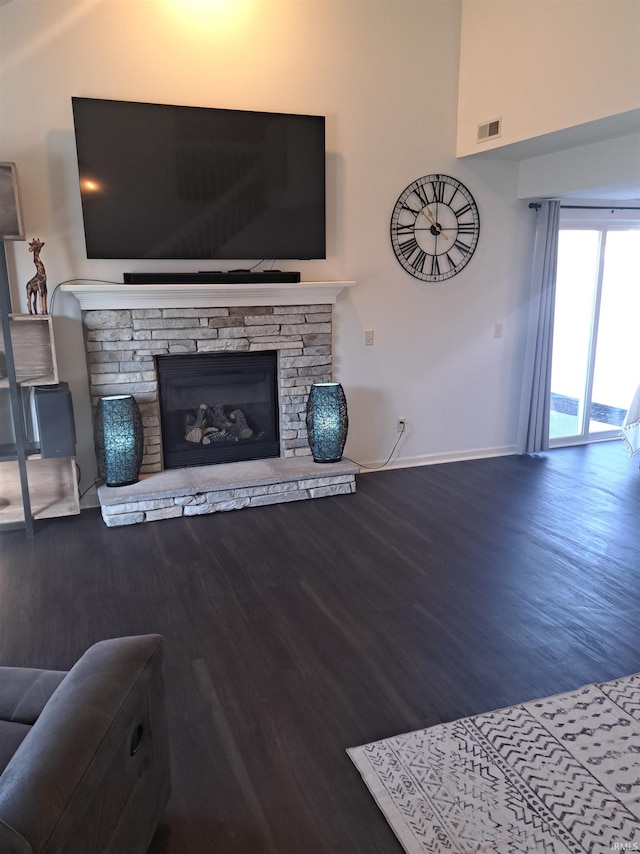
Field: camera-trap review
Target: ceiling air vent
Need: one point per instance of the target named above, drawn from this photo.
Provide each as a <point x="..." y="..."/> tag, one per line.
<point x="489" y="130"/>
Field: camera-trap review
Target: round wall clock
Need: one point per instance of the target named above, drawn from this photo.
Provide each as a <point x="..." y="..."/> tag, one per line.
<point x="435" y="227"/>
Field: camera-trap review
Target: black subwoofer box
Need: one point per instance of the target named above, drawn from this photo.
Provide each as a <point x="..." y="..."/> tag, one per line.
<point x="54" y="412"/>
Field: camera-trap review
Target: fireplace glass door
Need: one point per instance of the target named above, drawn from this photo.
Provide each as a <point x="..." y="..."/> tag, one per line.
<point x="218" y="408"/>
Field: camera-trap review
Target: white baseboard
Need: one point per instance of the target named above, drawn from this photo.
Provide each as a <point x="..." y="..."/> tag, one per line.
<point x="90" y="500"/>
<point x="435" y="459"/>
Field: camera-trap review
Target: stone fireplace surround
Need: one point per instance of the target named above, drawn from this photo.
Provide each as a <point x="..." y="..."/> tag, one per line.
<point x="126" y="326"/>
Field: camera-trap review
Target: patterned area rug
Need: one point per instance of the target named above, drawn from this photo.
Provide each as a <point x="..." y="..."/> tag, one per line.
<point x="556" y="775"/>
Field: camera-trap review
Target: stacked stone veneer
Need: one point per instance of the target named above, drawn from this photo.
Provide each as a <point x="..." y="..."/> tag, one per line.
<point x="121" y="345"/>
<point x="201" y="490"/>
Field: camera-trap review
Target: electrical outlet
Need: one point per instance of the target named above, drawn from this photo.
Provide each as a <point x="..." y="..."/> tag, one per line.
<point x="402" y="425"/>
<point x="368" y="337"/>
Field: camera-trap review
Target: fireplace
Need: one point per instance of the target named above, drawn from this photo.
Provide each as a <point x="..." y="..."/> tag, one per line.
<point x="218" y="407"/>
<point x="127" y="327"/>
<point x="130" y="328"/>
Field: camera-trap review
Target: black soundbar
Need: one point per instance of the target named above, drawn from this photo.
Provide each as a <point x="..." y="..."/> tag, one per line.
<point x="209" y="278"/>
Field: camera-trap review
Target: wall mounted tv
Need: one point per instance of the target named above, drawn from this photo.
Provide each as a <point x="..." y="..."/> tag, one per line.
<point x="162" y="181"/>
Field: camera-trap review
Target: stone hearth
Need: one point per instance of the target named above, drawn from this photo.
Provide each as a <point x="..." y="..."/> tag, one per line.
<point x="197" y="490"/>
<point x="126" y="327"/>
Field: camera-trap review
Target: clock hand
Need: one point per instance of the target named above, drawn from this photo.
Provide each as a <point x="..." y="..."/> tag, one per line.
<point x="435" y="224"/>
<point x="428" y="215"/>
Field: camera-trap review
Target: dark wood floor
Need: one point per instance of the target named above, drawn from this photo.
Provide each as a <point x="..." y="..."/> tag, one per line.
<point x="295" y="631"/>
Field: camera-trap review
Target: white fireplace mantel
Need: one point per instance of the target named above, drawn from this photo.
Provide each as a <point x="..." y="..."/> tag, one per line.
<point x="92" y="296"/>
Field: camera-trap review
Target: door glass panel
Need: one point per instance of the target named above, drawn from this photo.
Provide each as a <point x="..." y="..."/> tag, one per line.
<point x="617" y="364"/>
<point x="576" y="283"/>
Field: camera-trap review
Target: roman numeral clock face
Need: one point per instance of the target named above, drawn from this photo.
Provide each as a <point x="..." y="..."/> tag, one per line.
<point x="435" y="227"/>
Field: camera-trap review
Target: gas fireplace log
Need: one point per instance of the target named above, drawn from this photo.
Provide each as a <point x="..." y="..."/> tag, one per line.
<point x="238" y="418"/>
<point x="238" y="432"/>
<point x="216" y="436"/>
<point x="211" y="424"/>
<point x="206" y="434"/>
<point x="216" y="417"/>
<point x="240" y="427"/>
<point x="195" y="433"/>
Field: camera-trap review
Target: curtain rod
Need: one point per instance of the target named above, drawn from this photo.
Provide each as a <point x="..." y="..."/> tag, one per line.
<point x="536" y="206"/>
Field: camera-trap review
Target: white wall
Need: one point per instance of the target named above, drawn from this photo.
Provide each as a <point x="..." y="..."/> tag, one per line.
<point x="545" y="65"/>
<point x="366" y="66"/>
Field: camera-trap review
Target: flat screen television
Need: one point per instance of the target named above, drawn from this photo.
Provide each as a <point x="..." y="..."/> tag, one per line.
<point x="177" y="182"/>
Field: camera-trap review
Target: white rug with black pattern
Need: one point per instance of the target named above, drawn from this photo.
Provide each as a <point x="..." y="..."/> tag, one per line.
<point x="556" y="775"/>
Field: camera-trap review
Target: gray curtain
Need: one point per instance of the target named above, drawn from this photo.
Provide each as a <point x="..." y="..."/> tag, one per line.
<point x="533" y="427"/>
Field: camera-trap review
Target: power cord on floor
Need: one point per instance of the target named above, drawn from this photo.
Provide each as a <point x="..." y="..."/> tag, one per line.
<point x="388" y="460"/>
<point x="79" y="477"/>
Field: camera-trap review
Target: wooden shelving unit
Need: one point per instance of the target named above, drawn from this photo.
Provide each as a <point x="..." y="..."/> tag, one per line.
<point x="53" y="489"/>
<point x="34" y="350"/>
<point x="31" y="487"/>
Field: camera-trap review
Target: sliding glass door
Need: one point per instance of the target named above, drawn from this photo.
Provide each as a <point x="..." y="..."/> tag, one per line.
<point x="596" y="359"/>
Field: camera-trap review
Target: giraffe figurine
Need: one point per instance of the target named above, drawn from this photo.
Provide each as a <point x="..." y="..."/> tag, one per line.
<point x="37" y="286"/>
